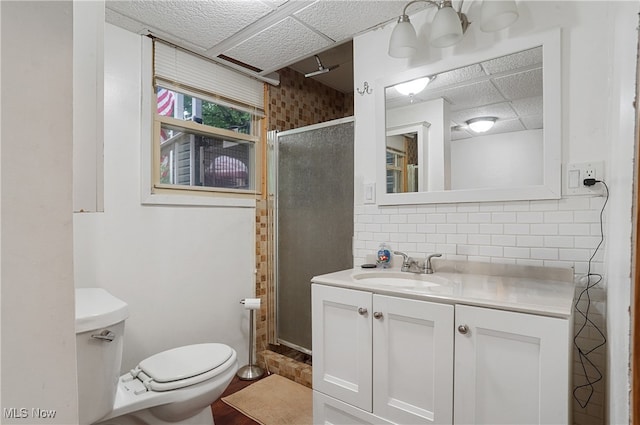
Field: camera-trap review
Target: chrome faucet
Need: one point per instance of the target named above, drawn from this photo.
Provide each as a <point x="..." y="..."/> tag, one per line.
<point x="427" y="268"/>
<point x="407" y="261"/>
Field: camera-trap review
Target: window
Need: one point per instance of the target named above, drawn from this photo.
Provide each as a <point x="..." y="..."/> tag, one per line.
<point x="206" y="139"/>
<point x="395" y="171"/>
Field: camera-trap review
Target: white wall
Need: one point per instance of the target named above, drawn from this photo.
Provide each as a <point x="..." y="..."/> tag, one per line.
<point x="38" y="339"/>
<point x="497" y="160"/>
<point x="599" y="42"/>
<point x="182" y="270"/>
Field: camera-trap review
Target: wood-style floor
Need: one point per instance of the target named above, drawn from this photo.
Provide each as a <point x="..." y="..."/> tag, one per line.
<point x="223" y="414"/>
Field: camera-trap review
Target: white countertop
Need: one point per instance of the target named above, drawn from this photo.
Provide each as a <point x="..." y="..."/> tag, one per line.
<point x="539" y="295"/>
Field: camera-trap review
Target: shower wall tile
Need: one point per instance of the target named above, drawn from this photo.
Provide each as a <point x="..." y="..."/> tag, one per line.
<point x="291" y="368"/>
<point x="264" y="290"/>
<point x="300" y="101"/>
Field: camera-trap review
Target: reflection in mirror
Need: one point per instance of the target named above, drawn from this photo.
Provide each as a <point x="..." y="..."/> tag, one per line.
<point x="402" y="162"/>
<point x="504" y="94"/>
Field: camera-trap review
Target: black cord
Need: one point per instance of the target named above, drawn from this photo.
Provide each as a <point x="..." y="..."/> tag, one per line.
<point x="583" y="353"/>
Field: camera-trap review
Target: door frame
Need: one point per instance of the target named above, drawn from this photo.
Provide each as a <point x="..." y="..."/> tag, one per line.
<point x="635" y="307"/>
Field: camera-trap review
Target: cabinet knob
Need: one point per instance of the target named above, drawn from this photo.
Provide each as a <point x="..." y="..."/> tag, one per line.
<point x="362" y="311"/>
<point x="463" y="329"/>
<point x="377" y="315"/>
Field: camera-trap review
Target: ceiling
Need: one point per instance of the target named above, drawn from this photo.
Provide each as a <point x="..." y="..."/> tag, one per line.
<point x="508" y="88"/>
<point x="264" y="35"/>
<point x="259" y="37"/>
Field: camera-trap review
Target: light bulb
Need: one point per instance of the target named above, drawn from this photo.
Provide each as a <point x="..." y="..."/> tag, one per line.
<point x="481" y="124"/>
<point x="412" y="87"/>
<point x="446" y="29"/>
<point x="497" y="14"/>
<point x="404" y="41"/>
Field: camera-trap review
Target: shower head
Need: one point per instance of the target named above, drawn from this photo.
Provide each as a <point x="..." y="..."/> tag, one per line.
<point x="321" y="69"/>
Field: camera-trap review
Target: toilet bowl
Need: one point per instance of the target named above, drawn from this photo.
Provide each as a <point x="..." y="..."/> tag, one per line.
<point x="176" y="386"/>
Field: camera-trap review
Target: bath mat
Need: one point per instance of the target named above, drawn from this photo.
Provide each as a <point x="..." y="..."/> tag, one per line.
<point x="274" y="400"/>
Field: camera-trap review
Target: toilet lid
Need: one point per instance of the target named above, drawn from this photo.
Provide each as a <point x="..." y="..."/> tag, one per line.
<point x="185" y="362"/>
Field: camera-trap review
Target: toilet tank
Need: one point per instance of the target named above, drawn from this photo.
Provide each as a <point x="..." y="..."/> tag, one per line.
<point x="99" y="340"/>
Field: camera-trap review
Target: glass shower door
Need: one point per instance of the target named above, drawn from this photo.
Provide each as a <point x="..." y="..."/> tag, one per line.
<point x="314" y="219"/>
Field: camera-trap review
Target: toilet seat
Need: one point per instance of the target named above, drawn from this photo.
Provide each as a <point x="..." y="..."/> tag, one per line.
<point x="181" y="367"/>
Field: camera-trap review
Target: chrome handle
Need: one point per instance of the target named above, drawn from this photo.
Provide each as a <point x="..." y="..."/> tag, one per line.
<point x="463" y="329"/>
<point x="406" y="261"/>
<point x="362" y="311"/>
<point x="105" y="335"/>
<point x="404" y="256"/>
<point x="377" y="314"/>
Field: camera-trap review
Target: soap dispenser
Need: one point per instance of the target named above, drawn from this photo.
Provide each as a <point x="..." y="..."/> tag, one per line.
<point x="383" y="259"/>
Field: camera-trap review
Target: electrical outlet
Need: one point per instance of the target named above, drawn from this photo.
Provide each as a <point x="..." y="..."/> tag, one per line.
<point x="589" y="171"/>
<point x="577" y="173"/>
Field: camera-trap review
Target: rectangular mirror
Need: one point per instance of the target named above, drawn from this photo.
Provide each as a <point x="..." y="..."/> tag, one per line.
<point x="434" y="150"/>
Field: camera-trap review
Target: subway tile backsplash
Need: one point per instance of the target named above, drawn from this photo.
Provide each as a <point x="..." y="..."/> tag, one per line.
<point x="544" y="233"/>
<point x="551" y="233"/>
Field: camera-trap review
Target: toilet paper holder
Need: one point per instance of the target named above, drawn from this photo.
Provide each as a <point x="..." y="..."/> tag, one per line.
<point x="251" y="371"/>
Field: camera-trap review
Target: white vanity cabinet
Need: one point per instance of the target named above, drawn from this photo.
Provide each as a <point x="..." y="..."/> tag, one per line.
<point x="389" y="356"/>
<point x="381" y="359"/>
<point x="511" y="368"/>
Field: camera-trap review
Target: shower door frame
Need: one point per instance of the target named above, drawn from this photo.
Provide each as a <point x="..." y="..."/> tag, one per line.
<point x="273" y="137"/>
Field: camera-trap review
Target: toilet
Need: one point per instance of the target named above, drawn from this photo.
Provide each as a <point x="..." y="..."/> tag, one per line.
<point x="176" y="386"/>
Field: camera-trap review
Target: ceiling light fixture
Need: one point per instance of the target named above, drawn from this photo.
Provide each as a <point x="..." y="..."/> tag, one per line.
<point x="448" y="26"/>
<point x="481" y="124"/>
<point x="413" y="87"/>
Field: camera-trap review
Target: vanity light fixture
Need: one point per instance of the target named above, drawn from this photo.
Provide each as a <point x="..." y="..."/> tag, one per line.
<point x="497" y="15"/>
<point x="481" y="124"/>
<point x="448" y="26"/>
<point x="413" y="87"/>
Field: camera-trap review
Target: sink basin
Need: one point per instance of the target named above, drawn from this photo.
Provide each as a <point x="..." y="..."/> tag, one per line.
<point x="399" y="279"/>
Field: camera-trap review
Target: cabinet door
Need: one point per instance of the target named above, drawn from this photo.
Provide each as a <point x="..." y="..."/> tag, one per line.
<point x="341" y="325"/>
<point x="511" y="368"/>
<point x="412" y="361"/>
<point x="329" y="411"/>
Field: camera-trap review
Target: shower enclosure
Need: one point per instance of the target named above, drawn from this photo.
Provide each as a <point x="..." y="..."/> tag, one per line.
<point x="313" y="219"/>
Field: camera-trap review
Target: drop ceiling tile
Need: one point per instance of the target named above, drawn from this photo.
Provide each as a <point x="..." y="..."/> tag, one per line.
<point x="349" y="17"/>
<point x="528" y="106"/>
<point x="295" y="41"/>
<point x="118" y="19"/>
<point x="274" y="3"/>
<point x="212" y="20"/>
<point x="526" y="58"/>
<point x="501" y="111"/>
<point x="521" y="85"/>
<point x="506" y="126"/>
<point x="457" y="76"/>
<point x="472" y="95"/>
<point x="532" y="122"/>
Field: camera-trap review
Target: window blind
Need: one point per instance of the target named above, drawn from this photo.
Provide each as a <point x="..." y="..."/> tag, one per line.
<point x="176" y="65"/>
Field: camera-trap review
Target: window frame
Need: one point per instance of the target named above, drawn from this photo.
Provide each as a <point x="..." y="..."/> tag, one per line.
<point x="155" y="193"/>
<point x="210" y="131"/>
